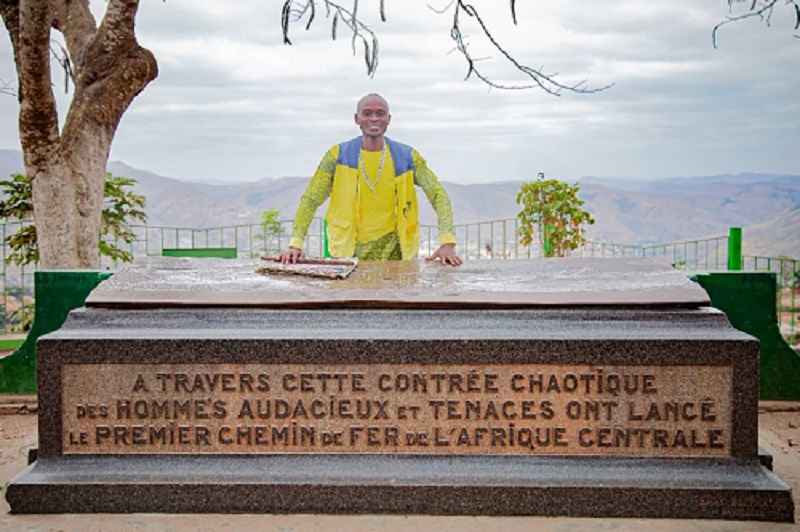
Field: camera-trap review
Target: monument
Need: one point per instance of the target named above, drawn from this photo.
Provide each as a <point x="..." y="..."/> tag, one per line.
<point x="590" y="387"/>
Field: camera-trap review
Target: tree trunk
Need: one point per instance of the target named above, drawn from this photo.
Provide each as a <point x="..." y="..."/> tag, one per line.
<point x="67" y="170"/>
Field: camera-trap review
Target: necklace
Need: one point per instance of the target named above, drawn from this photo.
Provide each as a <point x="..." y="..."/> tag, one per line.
<point x="372" y="186"/>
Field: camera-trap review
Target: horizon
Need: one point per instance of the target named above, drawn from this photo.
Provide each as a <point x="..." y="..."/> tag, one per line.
<point x="623" y="179"/>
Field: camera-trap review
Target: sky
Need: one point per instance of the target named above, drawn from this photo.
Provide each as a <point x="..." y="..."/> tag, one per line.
<point x="232" y="103"/>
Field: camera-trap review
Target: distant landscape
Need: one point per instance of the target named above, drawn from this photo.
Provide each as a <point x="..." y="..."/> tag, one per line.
<point x="640" y="212"/>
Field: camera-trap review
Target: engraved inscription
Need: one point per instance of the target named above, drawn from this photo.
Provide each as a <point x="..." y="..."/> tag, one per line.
<point x="396" y="408"/>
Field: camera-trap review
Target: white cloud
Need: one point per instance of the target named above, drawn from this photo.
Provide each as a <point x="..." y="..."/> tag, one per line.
<point x="232" y="102"/>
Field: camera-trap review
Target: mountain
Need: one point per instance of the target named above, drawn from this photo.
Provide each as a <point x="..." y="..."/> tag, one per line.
<point x="776" y="237"/>
<point x="664" y="211"/>
<point x="639" y="212"/>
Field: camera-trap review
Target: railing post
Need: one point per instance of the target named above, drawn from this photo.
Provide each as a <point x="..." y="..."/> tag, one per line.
<point x="325" y="251"/>
<point x="735" y="249"/>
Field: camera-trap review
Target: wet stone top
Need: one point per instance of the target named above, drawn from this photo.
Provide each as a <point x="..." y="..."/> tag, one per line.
<point x="173" y="282"/>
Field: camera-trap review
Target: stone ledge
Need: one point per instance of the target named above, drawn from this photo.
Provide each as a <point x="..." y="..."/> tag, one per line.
<point x="12" y="409"/>
<point x="630" y="487"/>
<point x="11" y="404"/>
<point x="778" y="406"/>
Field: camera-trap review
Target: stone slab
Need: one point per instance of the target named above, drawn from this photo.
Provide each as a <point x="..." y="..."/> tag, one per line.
<point x="549" y="486"/>
<point x="179" y="282"/>
<point x="600" y="338"/>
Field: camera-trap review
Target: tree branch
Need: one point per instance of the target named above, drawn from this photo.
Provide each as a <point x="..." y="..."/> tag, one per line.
<point x="114" y="70"/>
<point x="62" y="58"/>
<point x="113" y="52"/>
<point x="114" y="37"/>
<point x="545" y="82"/>
<point x="7" y="88"/>
<point x="296" y="10"/>
<point x="761" y="9"/>
<point x="39" y="137"/>
<point x="76" y="22"/>
<point x="9" y="11"/>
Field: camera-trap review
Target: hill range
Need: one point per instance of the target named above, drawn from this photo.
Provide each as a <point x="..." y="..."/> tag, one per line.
<point x="636" y="212"/>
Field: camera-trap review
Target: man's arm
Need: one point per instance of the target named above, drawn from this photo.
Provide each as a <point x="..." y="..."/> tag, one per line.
<point x="437" y="196"/>
<point x="318" y="190"/>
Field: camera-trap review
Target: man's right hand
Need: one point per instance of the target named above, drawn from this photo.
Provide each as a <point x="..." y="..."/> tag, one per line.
<point x="291" y="256"/>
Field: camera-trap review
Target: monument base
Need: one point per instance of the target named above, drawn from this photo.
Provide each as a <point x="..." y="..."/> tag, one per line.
<point x="571" y="388"/>
<point x="455" y="485"/>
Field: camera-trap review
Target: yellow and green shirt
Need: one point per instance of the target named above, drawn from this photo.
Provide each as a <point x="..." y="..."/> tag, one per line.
<point x="378" y="222"/>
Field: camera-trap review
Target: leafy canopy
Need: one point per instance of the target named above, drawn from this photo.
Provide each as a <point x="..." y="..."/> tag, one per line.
<point x="121" y="207"/>
<point x="271" y="229"/>
<point x="551" y="209"/>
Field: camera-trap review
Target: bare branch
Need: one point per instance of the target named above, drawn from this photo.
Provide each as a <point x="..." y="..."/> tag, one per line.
<point x="75" y="21"/>
<point x="62" y="58"/>
<point x="295" y="10"/>
<point x="760" y="9"/>
<point x="7" y="88"/>
<point x="545" y="82"/>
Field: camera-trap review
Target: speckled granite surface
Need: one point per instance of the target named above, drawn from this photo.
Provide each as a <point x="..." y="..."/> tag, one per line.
<point x="181" y="282"/>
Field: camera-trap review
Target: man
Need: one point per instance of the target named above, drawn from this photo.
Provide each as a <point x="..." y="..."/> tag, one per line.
<point x="373" y="212"/>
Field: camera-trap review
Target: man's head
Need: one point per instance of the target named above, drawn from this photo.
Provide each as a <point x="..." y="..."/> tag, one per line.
<point x="372" y="116"/>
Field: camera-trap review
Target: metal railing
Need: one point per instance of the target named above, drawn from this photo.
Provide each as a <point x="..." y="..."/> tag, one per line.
<point x="787" y="273"/>
<point x="493" y="239"/>
<point x="17" y="287"/>
<point x="497" y="239"/>
<point x="250" y="240"/>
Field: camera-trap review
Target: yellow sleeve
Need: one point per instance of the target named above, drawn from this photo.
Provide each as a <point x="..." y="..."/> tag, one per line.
<point x="318" y="190"/>
<point x="427" y="180"/>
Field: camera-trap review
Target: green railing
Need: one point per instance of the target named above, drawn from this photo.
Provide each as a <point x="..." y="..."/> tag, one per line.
<point x="251" y="240"/>
<point x="17" y="288"/>
<point x="493" y="239"/>
<point x="496" y="239"/>
<point x="787" y="273"/>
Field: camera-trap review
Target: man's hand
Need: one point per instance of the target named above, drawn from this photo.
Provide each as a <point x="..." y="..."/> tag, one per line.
<point x="446" y="252"/>
<point x="291" y="256"/>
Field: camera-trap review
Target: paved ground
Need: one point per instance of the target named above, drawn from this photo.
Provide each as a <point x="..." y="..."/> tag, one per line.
<point x="779" y="432"/>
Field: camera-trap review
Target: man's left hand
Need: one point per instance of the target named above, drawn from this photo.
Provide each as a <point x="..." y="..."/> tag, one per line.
<point x="447" y="253"/>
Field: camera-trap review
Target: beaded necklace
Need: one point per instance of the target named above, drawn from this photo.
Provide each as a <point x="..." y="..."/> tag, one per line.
<point x="372" y="186"/>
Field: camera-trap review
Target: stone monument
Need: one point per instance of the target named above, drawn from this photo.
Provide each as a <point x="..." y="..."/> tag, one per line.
<point x="587" y="387"/>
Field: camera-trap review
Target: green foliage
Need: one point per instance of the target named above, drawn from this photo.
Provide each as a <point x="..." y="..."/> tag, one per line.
<point x="551" y="209"/>
<point x="270" y="231"/>
<point x="121" y="206"/>
<point x="21" y="320"/>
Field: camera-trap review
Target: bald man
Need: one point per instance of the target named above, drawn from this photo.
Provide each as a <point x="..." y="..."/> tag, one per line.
<point x="373" y="212"/>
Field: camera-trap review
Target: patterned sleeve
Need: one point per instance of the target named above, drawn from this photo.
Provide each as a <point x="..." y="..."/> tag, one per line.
<point x="318" y="190"/>
<point x="427" y="180"/>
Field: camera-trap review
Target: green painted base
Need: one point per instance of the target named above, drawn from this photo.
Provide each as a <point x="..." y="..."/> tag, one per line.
<point x="203" y="253"/>
<point x="11" y="342"/>
<point x="748" y="299"/>
<point x="56" y="292"/>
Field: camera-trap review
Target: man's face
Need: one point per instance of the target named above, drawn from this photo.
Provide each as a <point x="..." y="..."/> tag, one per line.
<point x="373" y="117"/>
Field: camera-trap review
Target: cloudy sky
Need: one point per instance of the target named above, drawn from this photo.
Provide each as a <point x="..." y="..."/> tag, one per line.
<point x="232" y="103"/>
